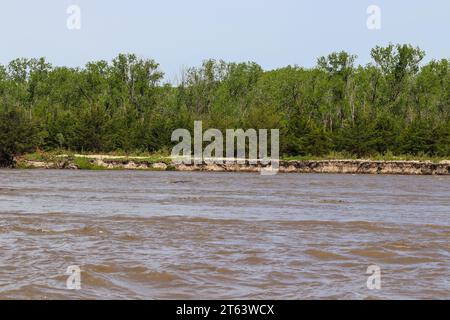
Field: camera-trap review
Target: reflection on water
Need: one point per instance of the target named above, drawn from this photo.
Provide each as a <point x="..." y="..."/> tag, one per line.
<point x="157" y="235"/>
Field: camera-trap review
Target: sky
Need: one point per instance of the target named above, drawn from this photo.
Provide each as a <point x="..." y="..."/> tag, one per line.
<point x="183" y="33"/>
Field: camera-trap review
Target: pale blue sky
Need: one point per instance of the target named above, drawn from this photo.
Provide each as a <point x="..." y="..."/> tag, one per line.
<point x="179" y="33"/>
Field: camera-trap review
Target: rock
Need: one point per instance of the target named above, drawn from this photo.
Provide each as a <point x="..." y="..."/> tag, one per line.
<point x="72" y="166"/>
<point x="41" y="165"/>
<point x="130" y="165"/>
<point x="213" y="168"/>
<point x="37" y="164"/>
<point x="159" y="166"/>
<point x="100" y="163"/>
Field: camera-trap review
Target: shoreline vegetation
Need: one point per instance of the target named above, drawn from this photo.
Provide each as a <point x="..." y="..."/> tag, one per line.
<point x="393" y="106"/>
<point x="158" y="162"/>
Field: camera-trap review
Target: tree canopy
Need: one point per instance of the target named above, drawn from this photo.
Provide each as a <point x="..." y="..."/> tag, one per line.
<point x="393" y="104"/>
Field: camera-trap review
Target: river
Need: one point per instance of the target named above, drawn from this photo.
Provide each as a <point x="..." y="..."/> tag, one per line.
<point x="184" y="235"/>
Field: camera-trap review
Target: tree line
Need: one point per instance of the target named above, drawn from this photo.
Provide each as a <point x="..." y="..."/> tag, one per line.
<point x="394" y="104"/>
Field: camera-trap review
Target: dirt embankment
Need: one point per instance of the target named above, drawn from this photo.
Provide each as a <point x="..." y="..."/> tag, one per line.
<point x="295" y="166"/>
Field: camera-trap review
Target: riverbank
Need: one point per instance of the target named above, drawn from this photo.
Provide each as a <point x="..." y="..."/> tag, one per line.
<point x="160" y="163"/>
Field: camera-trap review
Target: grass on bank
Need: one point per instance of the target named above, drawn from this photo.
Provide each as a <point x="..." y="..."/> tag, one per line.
<point x="58" y="155"/>
<point x="86" y="161"/>
<point x="376" y="157"/>
<point x="85" y="164"/>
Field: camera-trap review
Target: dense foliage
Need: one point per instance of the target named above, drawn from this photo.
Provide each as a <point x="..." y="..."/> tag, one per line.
<point x="393" y="104"/>
<point x="17" y="135"/>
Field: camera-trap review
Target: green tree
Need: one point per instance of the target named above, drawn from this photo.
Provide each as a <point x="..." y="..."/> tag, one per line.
<point x="17" y="135"/>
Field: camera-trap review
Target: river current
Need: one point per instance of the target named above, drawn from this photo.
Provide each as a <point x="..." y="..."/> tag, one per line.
<point x="192" y="235"/>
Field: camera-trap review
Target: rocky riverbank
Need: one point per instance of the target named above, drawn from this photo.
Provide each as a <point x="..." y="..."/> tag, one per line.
<point x="293" y="166"/>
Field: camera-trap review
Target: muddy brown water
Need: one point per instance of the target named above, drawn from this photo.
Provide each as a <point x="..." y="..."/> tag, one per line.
<point x="170" y="235"/>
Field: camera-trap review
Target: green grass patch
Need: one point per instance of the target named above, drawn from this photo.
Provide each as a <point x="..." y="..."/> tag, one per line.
<point x="86" y="164"/>
<point x="22" y="165"/>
